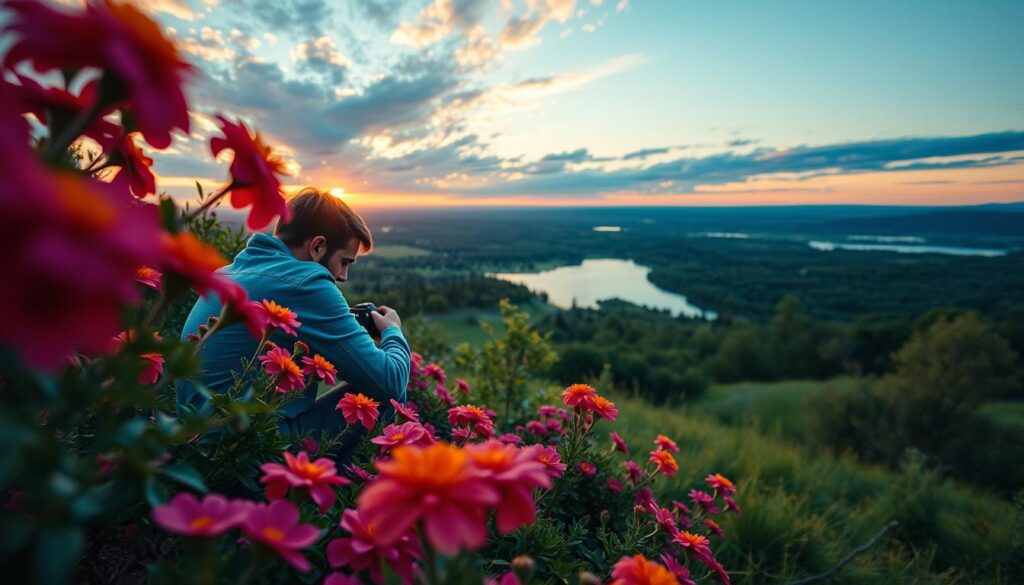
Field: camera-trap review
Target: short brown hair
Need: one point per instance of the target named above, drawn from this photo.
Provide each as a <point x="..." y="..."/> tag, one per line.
<point x="315" y="213"/>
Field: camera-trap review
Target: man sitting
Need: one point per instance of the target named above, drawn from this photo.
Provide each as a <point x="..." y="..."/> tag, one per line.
<point x="298" y="267"/>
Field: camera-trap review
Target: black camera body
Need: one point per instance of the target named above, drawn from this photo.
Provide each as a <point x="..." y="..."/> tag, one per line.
<point x="363" y="316"/>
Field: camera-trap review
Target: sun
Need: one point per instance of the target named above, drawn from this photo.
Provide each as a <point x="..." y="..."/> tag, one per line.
<point x="337" y="192"/>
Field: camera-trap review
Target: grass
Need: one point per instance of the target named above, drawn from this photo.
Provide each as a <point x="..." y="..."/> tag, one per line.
<point x="773" y="405"/>
<point x="804" y="510"/>
<point x="1007" y="413"/>
<point x="463" y="325"/>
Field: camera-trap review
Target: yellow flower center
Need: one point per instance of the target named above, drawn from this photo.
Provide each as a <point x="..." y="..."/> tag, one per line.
<point x="200" y="523"/>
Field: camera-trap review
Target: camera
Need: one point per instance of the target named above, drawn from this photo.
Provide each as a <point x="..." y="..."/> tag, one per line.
<point x="363" y="316"/>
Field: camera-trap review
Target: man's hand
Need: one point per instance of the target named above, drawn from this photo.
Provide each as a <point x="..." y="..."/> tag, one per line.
<point x="386" y="317"/>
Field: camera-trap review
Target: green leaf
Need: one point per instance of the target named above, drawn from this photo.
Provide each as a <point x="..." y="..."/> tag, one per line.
<point x="169" y="214"/>
<point x="156" y="492"/>
<point x="186" y="475"/>
<point x="56" y="553"/>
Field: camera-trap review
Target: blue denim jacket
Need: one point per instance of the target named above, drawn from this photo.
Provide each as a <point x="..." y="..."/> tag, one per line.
<point x="266" y="269"/>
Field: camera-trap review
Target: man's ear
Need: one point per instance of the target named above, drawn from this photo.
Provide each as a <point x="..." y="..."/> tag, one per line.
<point x="317" y="248"/>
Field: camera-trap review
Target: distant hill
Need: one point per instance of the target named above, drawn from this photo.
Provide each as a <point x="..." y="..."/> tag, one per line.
<point x="945" y="222"/>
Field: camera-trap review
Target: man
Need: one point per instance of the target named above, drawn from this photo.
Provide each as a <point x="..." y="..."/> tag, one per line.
<point x="298" y="267"/>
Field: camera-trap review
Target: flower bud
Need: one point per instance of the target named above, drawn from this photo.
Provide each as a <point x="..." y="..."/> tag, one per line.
<point x="203" y="329"/>
<point x="212" y="321"/>
<point x="588" y="578"/>
<point x="523" y="566"/>
<point x="300" y="348"/>
<point x="193" y="337"/>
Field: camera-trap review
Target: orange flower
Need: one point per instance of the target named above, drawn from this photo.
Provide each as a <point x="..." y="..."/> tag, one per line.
<point x="194" y="261"/>
<point x="281" y="317"/>
<point x="665" y="461"/>
<point x="637" y="570"/>
<point x="721" y="484"/>
<point x="319" y="366"/>
<point x="578" y="394"/>
<point x="148" y="276"/>
<point x="438" y="485"/>
<point x="666" y="443"/>
<point x="278" y="362"/>
<point x="603" y="407"/>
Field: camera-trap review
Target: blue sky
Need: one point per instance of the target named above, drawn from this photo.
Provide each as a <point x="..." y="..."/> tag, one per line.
<point x="617" y="102"/>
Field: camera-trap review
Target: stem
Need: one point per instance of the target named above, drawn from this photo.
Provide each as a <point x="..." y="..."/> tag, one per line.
<point x="154" y="311"/>
<point x="252" y="360"/>
<point x="74" y="129"/>
<point x="430" y="557"/>
<point x="213" y="200"/>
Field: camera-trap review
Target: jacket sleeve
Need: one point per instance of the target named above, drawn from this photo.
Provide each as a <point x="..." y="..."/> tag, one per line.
<point x="331" y="330"/>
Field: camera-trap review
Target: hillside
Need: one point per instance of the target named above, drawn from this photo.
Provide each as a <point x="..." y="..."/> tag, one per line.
<point x="943" y="222"/>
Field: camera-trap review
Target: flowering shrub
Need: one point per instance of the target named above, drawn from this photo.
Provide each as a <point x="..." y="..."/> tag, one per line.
<point x="96" y="450"/>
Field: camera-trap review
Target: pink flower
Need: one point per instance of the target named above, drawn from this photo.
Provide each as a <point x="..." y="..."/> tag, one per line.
<point x="443" y="394"/>
<point x="408" y="410"/>
<point x="713" y="527"/>
<point x="277" y="526"/>
<point x="358" y="472"/>
<point x="614" y="485"/>
<point x="554" y="425"/>
<point x="536" y="428"/>
<point x="143" y="67"/>
<point x="511" y="438"/>
<point x="514" y="472"/>
<point x="359" y="407"/>
<point x="721" y="484"/>
<point x="680" y="571"/>
<point x="408" y="433"/>
<point x="633" y="472"/>
<point x="663" y="516"/>
<point x="188" y="516"/>
<point x="730" y="504"/>
<point x="696" y="544"/>
<point x="309" y="445"/>
<point x="603" y="407"/>
<point x="432" y="370"/>
<point x="587" y="468"/>
<point x="278" y="362"/>
<point x="152" y="368"/>
<point x="53" y="224"/>
<point x="637" y="570"/>
<point x="578" y="395"/>
<point x="241" y="309"/>
<point x="342" y="579"/>
<point x="361" y="551"/>
<point x="681" y="507"/>
<point x="280" y="317"/>
<point x="438" y="485"/>
<point x="548" y="456"/>
<point x="463" y="386"/>
<point x="254" y="174"/>
<point x="546" y="411"/>
<point x="666" y="444"/>
<point x="149" y="277"/>
<point x="620" y="445"/>
<point x="320" y="367"/>
<point x="317" y="477"/>
<point x="703" y="500"/>
<point x="644" y="498"/>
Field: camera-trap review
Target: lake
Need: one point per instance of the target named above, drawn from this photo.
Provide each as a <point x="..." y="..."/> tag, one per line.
<point x="601" y="280"/>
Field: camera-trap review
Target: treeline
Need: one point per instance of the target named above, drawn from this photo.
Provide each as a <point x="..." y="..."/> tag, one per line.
<point x="414" y="292"/>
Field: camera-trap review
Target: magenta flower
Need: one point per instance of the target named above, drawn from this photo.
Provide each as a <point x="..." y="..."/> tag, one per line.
<point x="317" y="477"/>
<point x="434" y="371"/>
<point x="535" y="427"/>
<point x="633" y="472"/>
<point x="409" y="433"/>
<point x="730" y="504"/>
<point x="511" y="438"/>
<point x="153" y="366"/>
<point x="319" y="367"/>
<point x="546" y="411"/>
<point x="188" y="516"/>
<point x="463" y="386"/>
<point x="278" y="363"/>
<point x="277" y="526"/>
<point x="408" y="410"/>
<point x="361" y="551"/>
<point x="341" y="579"/>
<point x="255" y="173"/>
<point x="514" y="472"/>
<point x="620" y="445"/>
<point x="587" y="468"/>
<point x="552" y="462"/>
<point x="280" y="317"/>
<point x="666" y="444"/>
<point x="644" y="497"/>
<point x="663" y="516"/>
<point x="309" y="445"/>
<point x="680" y="571"/>
<point x="614" y="485"/>
<point x="443" y="394"/>
<point x="713" y="526"/>
<point x="704" y="500"/>
<point x="721" y="484"/>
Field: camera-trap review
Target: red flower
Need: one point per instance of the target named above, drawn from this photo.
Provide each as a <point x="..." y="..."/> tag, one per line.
<point x="44" y="102"/>
<point x="359" y="407"/>
<point x="135" y="174"/>
<point x="280" y="317"/>
<point x="240" y="308"/>
<point x="514" y="472"/>
<point x="666" y="444"/>
<point x="665" y="462"/>
<point x="277" y="525"/>
<point x="278" y="362"/>
<point x="129" y="47"/>
<point x="361" y="551"/>
<point x="148" y="276"/>
<point x="254" y="174"/>
<point x="637" y="570"/>
<point x="152" y="368"/>
<point x="318" y="477"/>
<point x="620" y="445"/>
<point x="320" y="367"/>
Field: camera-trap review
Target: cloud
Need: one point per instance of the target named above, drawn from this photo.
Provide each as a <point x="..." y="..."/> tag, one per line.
<point x="208" y="45"/>
<point x="521" y="32"/>
<point x="176" y="8"/>
<point x="303" y="18"/>
<point x="645" y="152"/>
<point x="322" y="56"/>
<point x="438" y="19"/>
<point x="382" y="13"/>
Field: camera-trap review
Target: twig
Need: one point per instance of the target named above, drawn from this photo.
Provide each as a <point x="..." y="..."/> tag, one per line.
<point x="846" y="559"/>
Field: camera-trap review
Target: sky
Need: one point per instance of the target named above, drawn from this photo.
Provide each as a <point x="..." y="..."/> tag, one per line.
<point x="406" y="103"/>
